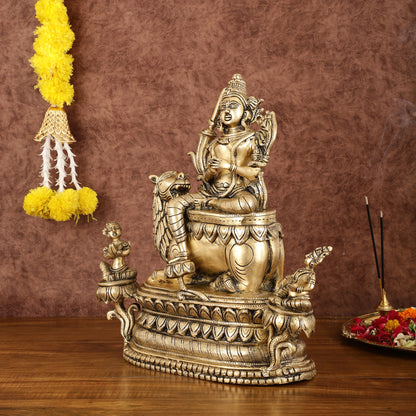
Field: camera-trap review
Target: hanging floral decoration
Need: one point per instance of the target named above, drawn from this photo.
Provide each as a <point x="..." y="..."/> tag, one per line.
<point x="53" y="66"/>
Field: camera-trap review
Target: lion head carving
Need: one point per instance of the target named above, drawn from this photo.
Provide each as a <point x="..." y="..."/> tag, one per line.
<point x="170" y="184"/>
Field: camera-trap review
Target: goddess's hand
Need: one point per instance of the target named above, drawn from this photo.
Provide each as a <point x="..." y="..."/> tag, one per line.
<point x="216" y="163"/>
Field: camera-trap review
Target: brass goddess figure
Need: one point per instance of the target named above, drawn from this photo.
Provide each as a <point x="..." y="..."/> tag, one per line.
<point x="229" y="166"/>
<point x="221" y="309"/>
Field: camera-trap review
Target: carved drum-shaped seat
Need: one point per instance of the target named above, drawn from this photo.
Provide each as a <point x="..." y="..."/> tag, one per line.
<point x="248" y="247"/>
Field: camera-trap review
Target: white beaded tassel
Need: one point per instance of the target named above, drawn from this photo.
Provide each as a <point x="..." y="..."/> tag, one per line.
<point x="72" y="166"/>
<point x="46" y="162"/>
<point x="60" y="166"/>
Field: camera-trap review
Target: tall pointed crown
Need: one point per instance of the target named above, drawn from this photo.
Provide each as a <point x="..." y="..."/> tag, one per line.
<point x="236" y="87"/>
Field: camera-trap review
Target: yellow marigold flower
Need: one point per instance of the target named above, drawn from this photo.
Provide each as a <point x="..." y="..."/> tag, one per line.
<point x="47" y="36"/>
<point x="391" y="325"/>
<point x="37" y="200"/>
<point x="51" y="62"/>
<point x="88" y="201"/>
<point x="49" y="66"/>
<point x="56" y="92"/>
<point x="63" y="205"/>
<point x="50" y="10"/>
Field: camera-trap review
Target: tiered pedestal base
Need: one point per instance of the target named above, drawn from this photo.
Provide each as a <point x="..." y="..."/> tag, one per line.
<point x="212" y="337"/>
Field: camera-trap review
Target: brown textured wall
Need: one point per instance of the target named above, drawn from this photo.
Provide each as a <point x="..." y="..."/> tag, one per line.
<point x="340" y="76"/>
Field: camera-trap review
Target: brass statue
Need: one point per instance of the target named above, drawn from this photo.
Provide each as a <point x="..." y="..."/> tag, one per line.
<point x="221" y="309"/>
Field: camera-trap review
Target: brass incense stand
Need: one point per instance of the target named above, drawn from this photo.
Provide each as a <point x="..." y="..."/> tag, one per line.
<point x="221" y="310"/>
<point x="384" y="307"/>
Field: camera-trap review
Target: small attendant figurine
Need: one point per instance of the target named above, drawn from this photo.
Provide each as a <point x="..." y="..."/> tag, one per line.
<point x="117" y="250"/>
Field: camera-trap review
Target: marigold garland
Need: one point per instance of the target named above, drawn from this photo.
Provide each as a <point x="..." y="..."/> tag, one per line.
<point x="53" y="66"/>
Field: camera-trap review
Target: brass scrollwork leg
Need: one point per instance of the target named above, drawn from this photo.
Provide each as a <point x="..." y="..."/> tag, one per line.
<point x="276" y="344"/>
<point x="126" y="318"/>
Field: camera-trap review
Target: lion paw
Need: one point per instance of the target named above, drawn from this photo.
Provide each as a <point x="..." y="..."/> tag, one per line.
<point x="225" y="283"/>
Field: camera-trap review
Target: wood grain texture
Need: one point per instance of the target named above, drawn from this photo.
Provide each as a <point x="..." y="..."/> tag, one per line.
<point x="75" y="367"/>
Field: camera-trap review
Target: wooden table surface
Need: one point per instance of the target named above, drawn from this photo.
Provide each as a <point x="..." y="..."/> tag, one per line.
<point x="74" y="366"/>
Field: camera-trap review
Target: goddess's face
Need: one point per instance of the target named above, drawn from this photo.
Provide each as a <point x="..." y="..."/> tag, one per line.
<point x="231" y="111"/>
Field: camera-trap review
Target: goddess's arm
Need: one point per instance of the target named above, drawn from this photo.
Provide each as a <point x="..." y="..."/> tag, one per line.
<point x="209" y="174"/>
<point x="247" y="172"/>
<point x="205" y="138"/>
<point x="265" y="138"/>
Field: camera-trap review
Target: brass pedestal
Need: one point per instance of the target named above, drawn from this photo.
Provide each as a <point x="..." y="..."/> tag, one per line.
<point x="222" y="339"/>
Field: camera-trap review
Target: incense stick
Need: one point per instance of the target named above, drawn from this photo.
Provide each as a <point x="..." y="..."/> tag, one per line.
<point x="382" y="250"/>
<point x="372" y="237"/>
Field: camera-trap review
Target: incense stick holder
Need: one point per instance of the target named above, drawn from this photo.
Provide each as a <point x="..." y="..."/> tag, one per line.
<point x="384" y="307"/>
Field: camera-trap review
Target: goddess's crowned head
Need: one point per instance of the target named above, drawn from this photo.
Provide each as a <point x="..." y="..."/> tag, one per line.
<point x="236" y="109"/>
